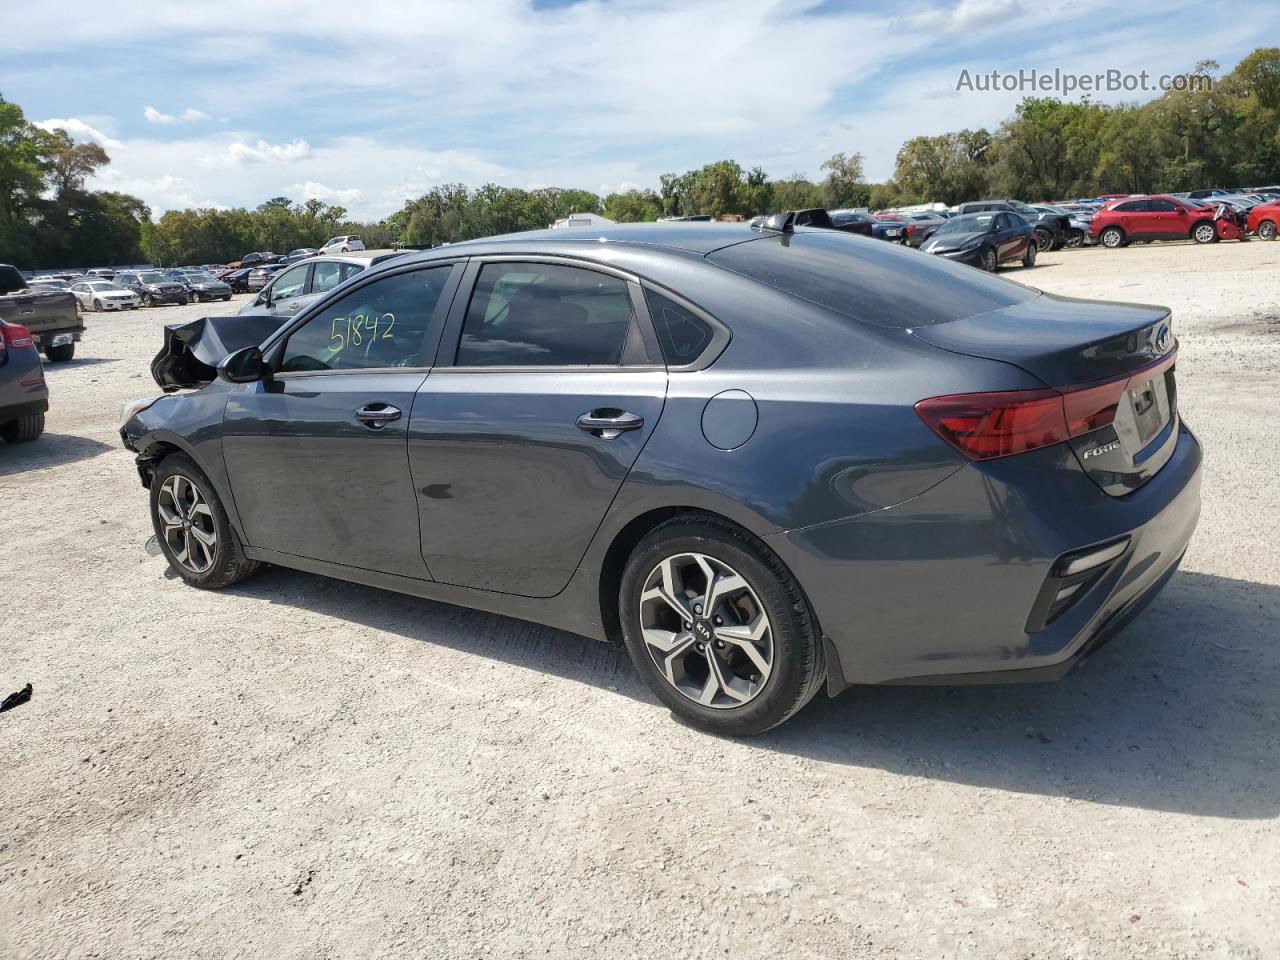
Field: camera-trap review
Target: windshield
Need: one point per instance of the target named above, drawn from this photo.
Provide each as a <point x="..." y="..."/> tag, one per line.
<point x="103" y="285"/>
<point x="1022" y="208"/>
<point x="973" y="223"/>
<point x="153" y="278"/>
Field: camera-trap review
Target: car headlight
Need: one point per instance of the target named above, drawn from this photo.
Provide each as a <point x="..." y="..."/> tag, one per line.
<point x="134" y="407"/>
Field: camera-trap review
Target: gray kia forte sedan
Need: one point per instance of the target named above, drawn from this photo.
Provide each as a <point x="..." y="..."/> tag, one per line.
<point x="768" y="459"/>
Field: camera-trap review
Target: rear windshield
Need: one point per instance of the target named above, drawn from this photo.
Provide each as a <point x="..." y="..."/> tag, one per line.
<point x="870" y="280"/>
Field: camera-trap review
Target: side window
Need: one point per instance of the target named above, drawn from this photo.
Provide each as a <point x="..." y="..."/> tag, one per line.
<point x="326" y="275"/>
<point x="683" y="335"/>
<point x="382" y="324"/>
<point x="537" y="314"/>
<point x="1161" y="206"/>
<point x="1131" y="206"/>
<point x="349" y="270"/>
<point x="291" y="283"/>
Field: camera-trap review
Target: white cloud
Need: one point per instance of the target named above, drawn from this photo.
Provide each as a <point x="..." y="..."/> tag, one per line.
<point x="78" y="130"/>
<point x="189" y="115"/>
<point x="263" y="152"/>
<point x="311" y="190"/>
<point x="966" y="15"/>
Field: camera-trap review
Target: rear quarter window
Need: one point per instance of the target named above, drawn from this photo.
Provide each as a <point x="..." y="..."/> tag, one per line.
<point x="870" y="281"/>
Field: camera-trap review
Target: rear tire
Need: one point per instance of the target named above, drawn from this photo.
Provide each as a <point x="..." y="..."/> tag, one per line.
<point x="1044" y="239"/>
<point x="749" y="692"/>
<point x="1266" y="230"/>
<point x="192" y="527"/>
<point x="23" y="429"/>
<point x="60" y="354"/>
<point x="1204" y="232"/>
<point x="1112" y="238"/>
<point x="1075" y="238"/>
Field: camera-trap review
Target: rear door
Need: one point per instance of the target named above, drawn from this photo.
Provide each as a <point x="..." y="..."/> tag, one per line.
<point x="1134" y="218"/>
<point x="548" y="385"/>
<point x="287" y="294"/>
<point x="317" y="455"/>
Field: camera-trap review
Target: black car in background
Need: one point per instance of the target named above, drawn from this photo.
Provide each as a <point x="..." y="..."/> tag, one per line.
<point x="1051" y="229"/>
<point x="985" y="240"/>
<point x="238" y="279"/>
<point x="259" y="258"/>
<point x="154" y="287"/>
<point x="855" y="221"/>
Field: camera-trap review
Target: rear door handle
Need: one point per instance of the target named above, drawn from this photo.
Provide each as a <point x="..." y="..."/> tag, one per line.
<point x="608" y="424"/>
<point x="374" y="415"/>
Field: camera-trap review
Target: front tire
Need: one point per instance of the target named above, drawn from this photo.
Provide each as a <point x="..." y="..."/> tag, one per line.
<point x="1204" y="232"/>
<point x="192" y="528"/>
<point x="97" y="305"/>
<point x="988" y="260"/>
<point x="1075" y="238"/>
<point x="60" y="354"/>
<point x="718" y="628"/>
<point x="23" y="429"/>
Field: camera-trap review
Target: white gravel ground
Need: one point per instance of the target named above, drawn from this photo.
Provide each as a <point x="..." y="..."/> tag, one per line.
<point x="303" y="768"/>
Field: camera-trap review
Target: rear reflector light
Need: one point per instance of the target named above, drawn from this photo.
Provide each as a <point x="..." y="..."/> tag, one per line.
<point x="984" y="426"/>
<point x="15" y="335"/>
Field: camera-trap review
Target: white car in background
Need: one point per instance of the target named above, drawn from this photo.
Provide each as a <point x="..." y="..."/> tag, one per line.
<point x="104" y="295"/>
<point x="341" y="245"/>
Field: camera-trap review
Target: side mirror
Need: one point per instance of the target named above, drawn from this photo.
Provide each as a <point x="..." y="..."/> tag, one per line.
<point x="244" y="366"/>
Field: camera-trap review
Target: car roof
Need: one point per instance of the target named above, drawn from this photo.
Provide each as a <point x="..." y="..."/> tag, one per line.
<point x="682" y="236"/>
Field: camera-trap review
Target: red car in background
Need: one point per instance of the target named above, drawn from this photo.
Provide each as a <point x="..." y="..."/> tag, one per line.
<point x="1152" y="218"/>
<point x="1264" y="219"/>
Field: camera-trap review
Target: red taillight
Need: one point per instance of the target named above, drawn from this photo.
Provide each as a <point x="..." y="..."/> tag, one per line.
<point x="910" y="227"/>
<point x="984" y="426"/>
<point x="15" y="335"/>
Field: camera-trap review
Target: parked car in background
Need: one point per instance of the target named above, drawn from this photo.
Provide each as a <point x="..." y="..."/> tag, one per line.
<point x="154" y="287"/>
<point x="293" y="256"/>
<point x="920" y="227"/>
<point x="975" y="480"/>
<point x="341" y="245"/>
<point x="52" y="316"/>
<point x="100" y="273"/>
<point x="1152" y="218"/>
<point x="238" y="279"/>
<point x="204" y="286"/>
<point x="1078" y="221"/>
<point x="1264" y="219"/>
<point x="261" y="275"/>
<point x="855" y="221"/>
<point x="49" y="283"/>
<point x="1202" y="194"/>
<point x="104" y="295"/>
<point x="259" y="258"/>
<point x="1051" y="228"/>
<point x="985" y="240"/>
<point x="24" y="395"/>
<point x="297" y="286"/>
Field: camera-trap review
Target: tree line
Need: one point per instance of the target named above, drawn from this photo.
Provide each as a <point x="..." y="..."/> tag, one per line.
<point x="1226" y="133"/>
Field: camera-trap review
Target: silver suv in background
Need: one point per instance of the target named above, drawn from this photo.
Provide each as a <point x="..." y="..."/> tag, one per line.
<point x="341" y="245"/>
<point x="293" y="289"/>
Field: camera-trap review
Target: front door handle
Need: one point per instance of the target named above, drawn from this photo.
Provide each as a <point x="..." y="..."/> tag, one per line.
<point x="608" y="424"/>
<point x="375" y="415"/>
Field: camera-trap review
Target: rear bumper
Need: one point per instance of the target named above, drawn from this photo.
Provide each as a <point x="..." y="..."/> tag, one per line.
<point x="25" y="408"/>
<point x="940" y="588"/>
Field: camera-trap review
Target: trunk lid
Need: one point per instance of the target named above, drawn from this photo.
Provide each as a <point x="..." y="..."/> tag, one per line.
<point x="1107" y="353"/>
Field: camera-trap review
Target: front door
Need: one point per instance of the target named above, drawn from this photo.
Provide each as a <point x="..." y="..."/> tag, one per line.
<point x="317" y="455"/>
<point x="518" y="448"/>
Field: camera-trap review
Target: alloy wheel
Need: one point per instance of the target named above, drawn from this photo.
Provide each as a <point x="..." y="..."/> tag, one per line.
<point x="1075" y="239"/>
<point x="1111" y="238"/>
<point x="1267" y="230"/>
<point x="187" y="523"/>
<point x="706" y="630"/>
<point x="1204" y="233"/>
<point x="989" y="261"/>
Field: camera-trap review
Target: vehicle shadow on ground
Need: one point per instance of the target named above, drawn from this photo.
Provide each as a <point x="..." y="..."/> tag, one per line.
<point x="1178" y="713"/>
<point x="77" y="362"/>
<point x="50" y="450"/>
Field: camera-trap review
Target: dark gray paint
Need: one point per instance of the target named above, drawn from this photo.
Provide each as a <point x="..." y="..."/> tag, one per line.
<point x="917" y="562"/>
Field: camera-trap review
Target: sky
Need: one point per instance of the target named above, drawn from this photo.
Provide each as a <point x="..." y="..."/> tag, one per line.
<point x="370" y="104"/>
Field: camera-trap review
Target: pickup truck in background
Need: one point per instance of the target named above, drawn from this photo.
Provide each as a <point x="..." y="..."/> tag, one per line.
<point x="52" y="316"/>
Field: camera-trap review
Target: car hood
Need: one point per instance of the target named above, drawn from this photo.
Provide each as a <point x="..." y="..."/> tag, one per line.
<point x="192" y="351"/>
<point x="952" y="241"/>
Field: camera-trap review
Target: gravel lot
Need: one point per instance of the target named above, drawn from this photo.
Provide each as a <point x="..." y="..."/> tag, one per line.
<point x="298" y="767"/>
